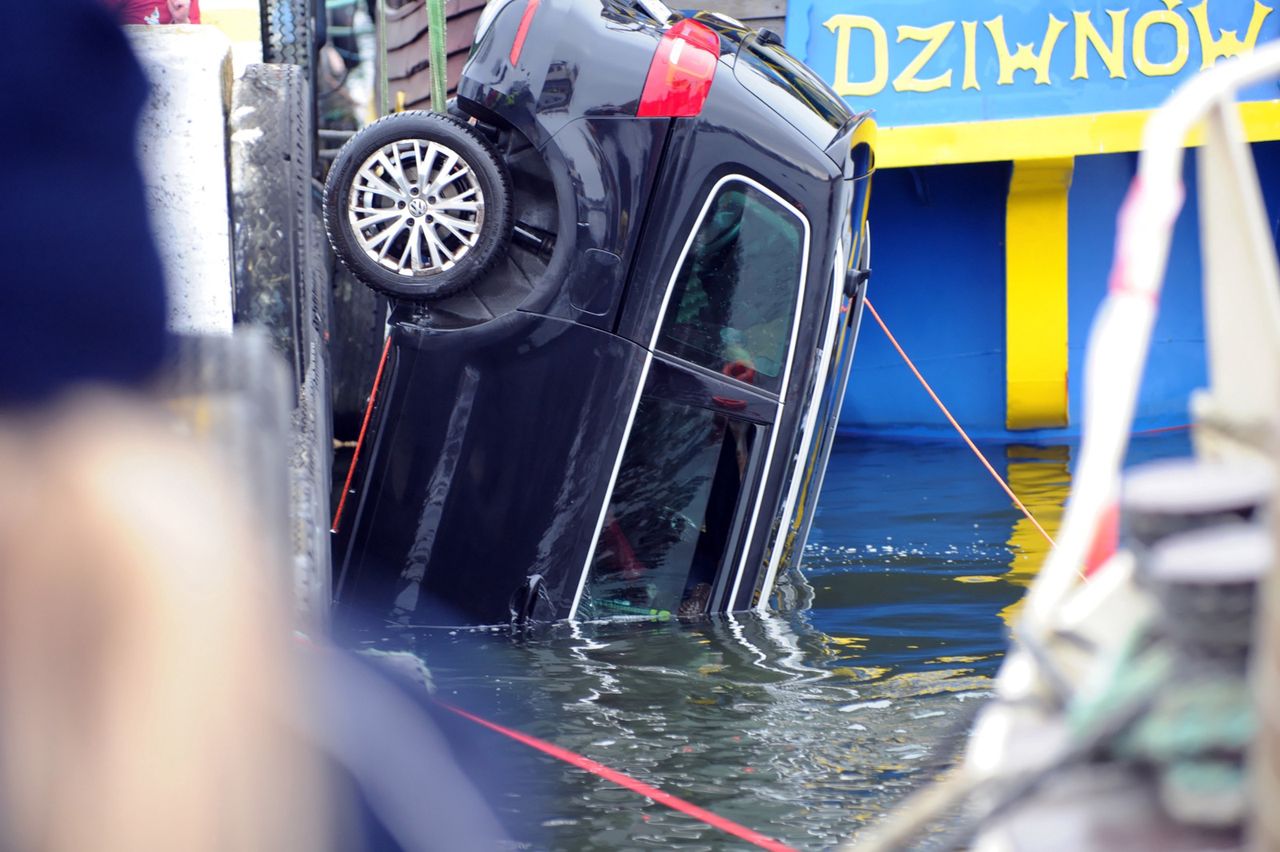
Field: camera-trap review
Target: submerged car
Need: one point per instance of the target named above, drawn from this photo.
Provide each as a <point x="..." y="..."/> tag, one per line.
<point x="626" y="274"/>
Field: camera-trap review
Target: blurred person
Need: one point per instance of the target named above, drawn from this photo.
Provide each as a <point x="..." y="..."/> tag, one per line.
<point x="149" y="695"/>
<point x="155" y="11"/>
<point x="81" y="293"/>
<point x="184" y="11"/>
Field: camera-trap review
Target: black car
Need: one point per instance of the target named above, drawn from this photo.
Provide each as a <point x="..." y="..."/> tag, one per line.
<point x="626" y="273"/>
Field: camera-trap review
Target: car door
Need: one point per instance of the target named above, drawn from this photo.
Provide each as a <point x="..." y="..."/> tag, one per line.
<point x="686" y="493"/>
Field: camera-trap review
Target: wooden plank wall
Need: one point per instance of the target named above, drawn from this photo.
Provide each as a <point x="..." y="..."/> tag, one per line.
<point x="753" y="13"/>
<point x="408" y="47"/>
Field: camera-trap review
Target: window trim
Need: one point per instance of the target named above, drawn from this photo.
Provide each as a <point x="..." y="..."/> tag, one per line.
<point x="688" y="244"/>
<point x="786" y="374"/>
<point x="613" y="480"/>
<point x="648" y="362"/>
<point x="827" y="353"/>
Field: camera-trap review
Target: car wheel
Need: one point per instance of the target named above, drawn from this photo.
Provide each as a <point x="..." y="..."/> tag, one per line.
<point x="418" y="206"/>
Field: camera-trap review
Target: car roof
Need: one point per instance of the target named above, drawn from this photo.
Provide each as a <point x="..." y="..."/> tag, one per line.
<point x="780" y="81"/>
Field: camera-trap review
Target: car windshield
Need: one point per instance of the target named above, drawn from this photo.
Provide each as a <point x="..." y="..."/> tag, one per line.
<point x="734" y="298"/>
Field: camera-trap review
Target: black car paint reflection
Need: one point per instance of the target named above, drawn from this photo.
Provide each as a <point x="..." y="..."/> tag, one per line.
<point x="622" y="435"/>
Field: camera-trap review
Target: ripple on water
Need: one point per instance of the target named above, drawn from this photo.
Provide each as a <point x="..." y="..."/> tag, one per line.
<point x="805" y="726"/>
<point x="753" y="718"/>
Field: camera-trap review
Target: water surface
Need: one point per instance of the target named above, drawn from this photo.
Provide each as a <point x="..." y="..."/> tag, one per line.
<point x="804" y="725"/>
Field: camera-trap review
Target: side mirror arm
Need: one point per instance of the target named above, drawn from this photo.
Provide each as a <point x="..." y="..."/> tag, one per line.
<point x="855" y="279"/>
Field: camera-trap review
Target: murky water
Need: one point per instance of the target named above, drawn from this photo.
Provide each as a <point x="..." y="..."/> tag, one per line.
<point x="804" y="725"/>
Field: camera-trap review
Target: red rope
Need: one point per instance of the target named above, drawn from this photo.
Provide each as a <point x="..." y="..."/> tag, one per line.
<point x="991" y="470"/>
<point x="1162" y="429"/>
<point x="755" y="838"/>
<point x="355" y="457"/>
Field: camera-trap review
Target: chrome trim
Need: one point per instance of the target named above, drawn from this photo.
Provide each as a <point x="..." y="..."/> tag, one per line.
<point x="786" y="380"/>
<point x="613" y="480"/>
<point x="827" y="352"/>
<point x="791" y="349"/>
<point x="644" y="375"/>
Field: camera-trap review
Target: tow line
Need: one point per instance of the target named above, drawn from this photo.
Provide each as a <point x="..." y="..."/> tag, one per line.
<point x="364" y="426"/>
<point x="991" y="470"/>
<point x="728" y="826"/>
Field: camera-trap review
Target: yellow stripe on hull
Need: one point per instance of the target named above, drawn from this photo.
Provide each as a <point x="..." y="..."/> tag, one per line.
<point x="1036" y="294"/>
<point x="1042" y="138"/>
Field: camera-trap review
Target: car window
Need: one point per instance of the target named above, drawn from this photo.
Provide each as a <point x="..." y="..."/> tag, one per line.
<point x="733" y="300"/>
<point x="669" y="522"/>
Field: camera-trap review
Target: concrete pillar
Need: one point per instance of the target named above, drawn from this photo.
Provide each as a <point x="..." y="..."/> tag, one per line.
<point x="183" y="152"/>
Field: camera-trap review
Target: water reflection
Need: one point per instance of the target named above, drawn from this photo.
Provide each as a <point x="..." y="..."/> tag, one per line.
<point x="803" y="725"/>
<point x="1041" y="479"/>
<point x="762" y="719"/>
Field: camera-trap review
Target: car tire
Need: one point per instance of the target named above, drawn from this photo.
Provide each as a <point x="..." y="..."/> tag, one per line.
<point x="288" y="32"/>
<point x="280" y="275"/>
<point x="409" y="240"/>
<point x="278" y="252"/>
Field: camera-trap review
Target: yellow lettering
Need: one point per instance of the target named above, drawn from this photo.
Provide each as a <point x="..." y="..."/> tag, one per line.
<point x="1161" y="16"/>
<point x="970" y="55"/>
<point x="935" y="36"/>
<point x="846" y="24"/>
<point x="1025" y="59"/>
<point x="1087" y="34"/>
<point x="1228" y="43"/>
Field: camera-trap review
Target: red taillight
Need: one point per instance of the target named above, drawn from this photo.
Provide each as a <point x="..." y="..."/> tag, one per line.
<point x="681" y="72"/>
<point x="525" y="21"/>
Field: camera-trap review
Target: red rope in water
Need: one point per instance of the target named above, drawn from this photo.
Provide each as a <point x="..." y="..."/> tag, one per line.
<point x="755" y="838"/>
<point x="991" y="470"/>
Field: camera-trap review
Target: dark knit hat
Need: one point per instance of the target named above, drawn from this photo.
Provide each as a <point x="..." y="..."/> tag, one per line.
<point x="81" y="289"/>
